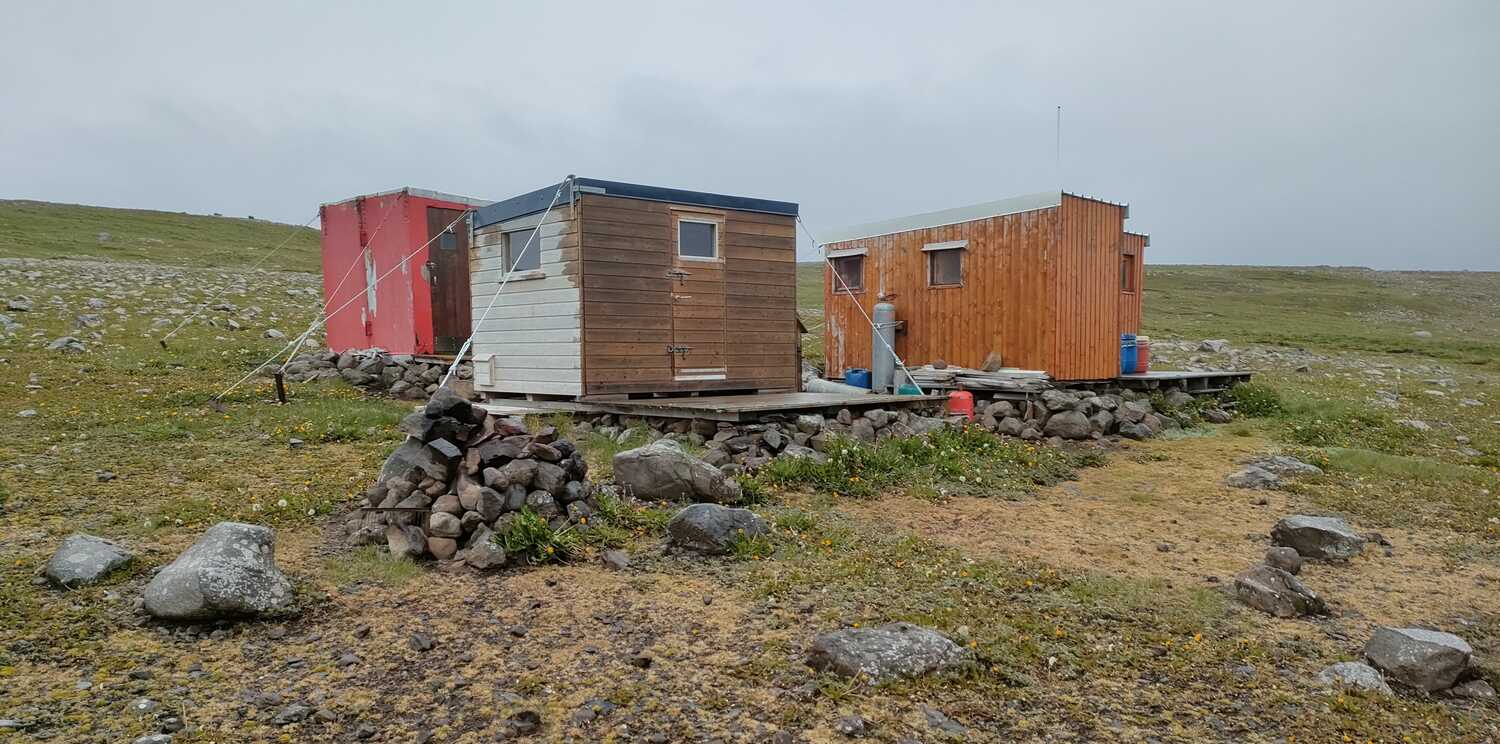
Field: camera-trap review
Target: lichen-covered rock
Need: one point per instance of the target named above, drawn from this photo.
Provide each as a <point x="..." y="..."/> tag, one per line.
<point x="1429" y="660"/>
<point x="1068" y="425"/>
<point x="1254" y="477"/>
<point x="662" y="470"/>
<point x="84" y="559"/>
<point x="712" y="529"/>
<point x="884" y="652"/>
<point x="1276" y="592"/>
<point x="230" y="571"/>
<point x="1286" y="559"/>
<point x="1356" y="675"/>
<point x="1322" y="538"/>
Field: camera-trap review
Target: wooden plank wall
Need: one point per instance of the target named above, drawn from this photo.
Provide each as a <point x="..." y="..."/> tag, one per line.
<point x="627" y="248"/>
<point x="532" y="340"/>
<point x="1001" y="306"/>
<point x="1085" y="291"/>
<point x="1130" y="302"/>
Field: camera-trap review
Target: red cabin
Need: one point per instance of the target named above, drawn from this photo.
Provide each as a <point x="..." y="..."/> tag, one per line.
<point x="420" y="308"/>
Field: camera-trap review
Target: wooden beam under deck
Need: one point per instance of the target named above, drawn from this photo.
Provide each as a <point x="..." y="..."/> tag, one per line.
<point x="735" y="408"/>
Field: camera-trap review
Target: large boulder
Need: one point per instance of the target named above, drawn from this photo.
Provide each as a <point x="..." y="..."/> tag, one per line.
<point x="230" y="571"/>
<point x="1324" y="538"/>
<point x="662" y="470"/>
<point x="1354" y="675"/>
<point x="712" y="529"/>
<point x="84" y="559"/>
<point x="1068" y="425"/>
<point x="1429" y="660"/>
<point x="1276" y="592"/>
<point x="884" y="652"/>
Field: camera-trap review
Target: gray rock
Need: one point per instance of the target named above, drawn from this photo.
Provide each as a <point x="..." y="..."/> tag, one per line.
<point x="1276" y="592"/>
<point x="616" y="559"/>
<point x="514" y="473"/>
<point x="481" y="552"/>
<point x="1068" y="425"/>
<point x="1217" y="416"/>
<point x="406" y="541"/>
<point x="1214" y="346"/>
<point x="1178" y="399"/>
<point x="663" y="471"/>
<point x="1322" y="538"/>
<point x="84" y="559"/>
<point x="293" y="713"/>
<point x="443" y="524"/>
<point x="1356" y="675"/>
<point x="153" y="739"/>
<point x="67" y="345"/>
<point x="884" y="652"/>
<point x="797" y="451"/>
<point x="230" y="571"/>
<point x="1010" y="426"/>
<point x="414" y="454"/>
<point x="1474" y="689"/>
<point x="712" y="529"/>
<point x="1254" y="478"/>
<point x="852" y="726"/>
<point x="1283" y="465"/>
<point x="442" y="548"/>
<point x="550" y="478"/>
<point x="1429" y="660"/>
<point x="879" y="417"/>
<point x="862" y="429"/>
<point x="1286" y="559"/>
<point x="810" y="423"/>
<point x="1059" y="400"/>
<point x="274" y="333"/>
<point x="940" y="721"/>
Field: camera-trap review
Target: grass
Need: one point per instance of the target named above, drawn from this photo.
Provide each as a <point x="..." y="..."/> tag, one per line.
<point x="947" y="462"/>
<point x="530" y="538"/>
<point x="45" y="230"/>
<point x="372" y="566"/>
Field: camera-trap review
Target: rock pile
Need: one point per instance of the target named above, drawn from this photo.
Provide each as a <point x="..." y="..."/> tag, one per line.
<point x="398" y="375"/>
<point x="1074" y="414"/>
<point x="462" y="477"/>
<point x="1272" y="587"/>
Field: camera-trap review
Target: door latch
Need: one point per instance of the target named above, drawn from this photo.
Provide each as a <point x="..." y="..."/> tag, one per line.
<point x="677" y="274"/>
<point x="675" y="349"/>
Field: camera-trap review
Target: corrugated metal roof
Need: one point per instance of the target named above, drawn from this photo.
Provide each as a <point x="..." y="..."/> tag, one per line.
<point x="1013" y="205"/>
<point x="421" y="193"/>
<point x="536" y="201"/>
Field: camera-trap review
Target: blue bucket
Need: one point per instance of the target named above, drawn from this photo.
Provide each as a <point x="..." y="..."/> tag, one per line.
<point x="857" y="377"/>
<point x="1127" y="353"/>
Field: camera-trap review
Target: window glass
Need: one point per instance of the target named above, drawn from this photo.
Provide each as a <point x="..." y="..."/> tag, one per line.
<point x="851" y="269"/>
<point x="696" y="239"/>
<point x="945" y="267"/>
<point x="515" y="244"/>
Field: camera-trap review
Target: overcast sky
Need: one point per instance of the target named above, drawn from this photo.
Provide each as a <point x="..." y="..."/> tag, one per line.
<point x="1352" y="133"/>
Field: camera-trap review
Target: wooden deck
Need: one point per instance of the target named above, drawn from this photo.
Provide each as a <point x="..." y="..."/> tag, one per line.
<point x="716" y="407"/>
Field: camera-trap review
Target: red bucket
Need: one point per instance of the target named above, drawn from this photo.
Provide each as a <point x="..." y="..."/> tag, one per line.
<point x="961" y="403"/>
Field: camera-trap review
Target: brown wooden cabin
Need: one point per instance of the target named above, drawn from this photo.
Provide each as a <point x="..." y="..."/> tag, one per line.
<point x="635" y="290"/>
<point x="1048" y="280"/>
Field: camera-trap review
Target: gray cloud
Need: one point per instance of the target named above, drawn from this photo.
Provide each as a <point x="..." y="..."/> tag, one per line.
<point x="1341" y="132"/>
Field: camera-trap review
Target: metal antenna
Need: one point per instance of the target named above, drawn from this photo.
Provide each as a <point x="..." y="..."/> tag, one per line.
<point x="1057" y="142"/>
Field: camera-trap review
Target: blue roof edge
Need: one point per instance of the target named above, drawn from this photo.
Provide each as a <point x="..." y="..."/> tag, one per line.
<point x="537" y="201"/>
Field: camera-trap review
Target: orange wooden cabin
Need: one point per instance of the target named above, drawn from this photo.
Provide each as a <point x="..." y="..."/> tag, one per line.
<point x="1048" y="280"/>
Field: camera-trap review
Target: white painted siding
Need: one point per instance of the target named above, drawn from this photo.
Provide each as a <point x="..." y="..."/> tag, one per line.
<point x="531" y="341"/>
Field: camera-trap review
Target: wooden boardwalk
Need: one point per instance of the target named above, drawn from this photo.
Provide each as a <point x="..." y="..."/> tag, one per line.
<point x="717" y="407"/>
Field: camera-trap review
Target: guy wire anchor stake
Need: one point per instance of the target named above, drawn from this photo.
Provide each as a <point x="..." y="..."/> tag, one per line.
<point x="280" y="387"/>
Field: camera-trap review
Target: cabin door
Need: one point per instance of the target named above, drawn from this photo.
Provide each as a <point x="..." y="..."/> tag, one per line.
<point x="447" y="272"/>
<point x="699" y="324"/>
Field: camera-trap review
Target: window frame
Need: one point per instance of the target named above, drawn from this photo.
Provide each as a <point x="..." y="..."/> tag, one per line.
<point x="835" y="274"/>
<point x="933" y="251"/>
<point x="509" y="258"/>
<point x="718" y="229"/>
<point x="1128" y="279"/>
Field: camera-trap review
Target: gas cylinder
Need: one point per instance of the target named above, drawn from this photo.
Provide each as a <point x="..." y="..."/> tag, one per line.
<point x="961" y="403"/>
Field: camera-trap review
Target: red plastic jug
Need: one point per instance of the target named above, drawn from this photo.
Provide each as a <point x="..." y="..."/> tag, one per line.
<point x="961" y="403"/>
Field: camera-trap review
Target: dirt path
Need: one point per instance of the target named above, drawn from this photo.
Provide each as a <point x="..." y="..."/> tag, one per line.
<point x="1160" y="510"/>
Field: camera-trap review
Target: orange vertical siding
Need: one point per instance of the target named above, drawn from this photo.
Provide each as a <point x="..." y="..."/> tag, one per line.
<point x="1130" y="302"/>
<point x="1041" y="287"/>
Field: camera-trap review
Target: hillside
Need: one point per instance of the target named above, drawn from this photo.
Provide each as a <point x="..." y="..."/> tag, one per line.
<point x="1323" y="309"/>
<point x="30" y="229"/>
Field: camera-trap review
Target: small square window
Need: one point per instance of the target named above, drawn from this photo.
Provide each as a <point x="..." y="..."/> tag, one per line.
<point x="697" y="239"/>
<point x="849" y="273"/>
<point x="1127" y="273"/>
<point x="518" y="255"/>
<point x="945" y="268"/>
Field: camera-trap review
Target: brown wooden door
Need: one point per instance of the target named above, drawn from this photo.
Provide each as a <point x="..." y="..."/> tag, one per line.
<point x="448" y="277"/>
<point x="698" y="318"/>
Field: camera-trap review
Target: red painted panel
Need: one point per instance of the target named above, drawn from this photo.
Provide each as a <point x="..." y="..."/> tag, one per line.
<point x="367" y="237"/>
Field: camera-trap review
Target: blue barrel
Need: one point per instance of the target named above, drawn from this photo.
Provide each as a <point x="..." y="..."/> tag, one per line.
<point x="1127" y="353"/>
<point x="857" y="377"/>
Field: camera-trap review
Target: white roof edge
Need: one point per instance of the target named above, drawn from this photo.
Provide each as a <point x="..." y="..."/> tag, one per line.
<point x="419" y="193"/>
<point x="954" y="216"/>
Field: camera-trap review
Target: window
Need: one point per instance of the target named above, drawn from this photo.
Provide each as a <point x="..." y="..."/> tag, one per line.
<point x="849" y="273"/>
<point x="697" y="239"/>
<point x="1127" y="272"/>
<point x="530" y="258"/>
<point x="945" y="268"/>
